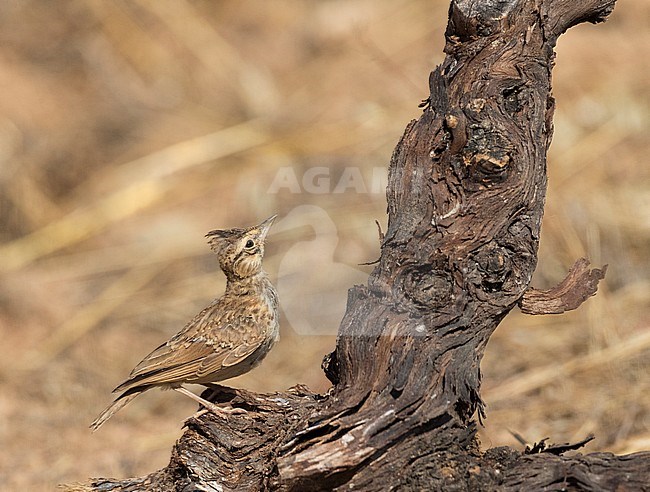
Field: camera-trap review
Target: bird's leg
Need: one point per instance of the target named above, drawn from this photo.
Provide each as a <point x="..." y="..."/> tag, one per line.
<point x="209" y="405"/>
<point x="218" y="389"/>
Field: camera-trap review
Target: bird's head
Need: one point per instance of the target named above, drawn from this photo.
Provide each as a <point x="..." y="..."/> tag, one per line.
<point x="240" y="251"/>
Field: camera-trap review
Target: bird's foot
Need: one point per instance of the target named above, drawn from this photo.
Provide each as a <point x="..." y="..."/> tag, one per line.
<point x="209" y="406"/>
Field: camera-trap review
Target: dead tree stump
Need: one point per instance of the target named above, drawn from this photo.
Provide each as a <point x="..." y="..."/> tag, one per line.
<point x="466" y="192"/>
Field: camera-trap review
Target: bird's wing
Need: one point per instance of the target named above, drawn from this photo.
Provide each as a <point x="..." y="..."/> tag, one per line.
<point x="206" y="345"/>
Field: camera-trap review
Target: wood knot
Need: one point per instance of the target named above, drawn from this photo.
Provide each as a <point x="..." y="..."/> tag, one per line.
<point x="495" y="266"/>
<point x="487" y="154"/>
<point x="489" y="167"/>
<point x="427" y="288"/>
<point x="514" y="97"/>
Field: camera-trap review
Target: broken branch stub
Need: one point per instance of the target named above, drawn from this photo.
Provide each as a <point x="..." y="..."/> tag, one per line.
<point x="579" y="284"/>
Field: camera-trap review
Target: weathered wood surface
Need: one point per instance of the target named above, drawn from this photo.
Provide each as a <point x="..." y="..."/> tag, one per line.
<point x="466" y="193"/>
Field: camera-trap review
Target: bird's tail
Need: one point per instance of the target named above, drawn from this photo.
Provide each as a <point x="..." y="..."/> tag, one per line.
<point x="123" y="400"/>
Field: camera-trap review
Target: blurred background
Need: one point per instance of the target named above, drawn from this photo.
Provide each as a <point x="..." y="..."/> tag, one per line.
<point x="129" y="129"/>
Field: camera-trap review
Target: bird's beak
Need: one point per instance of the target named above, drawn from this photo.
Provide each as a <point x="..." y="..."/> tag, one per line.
<point x="265" y="226"/>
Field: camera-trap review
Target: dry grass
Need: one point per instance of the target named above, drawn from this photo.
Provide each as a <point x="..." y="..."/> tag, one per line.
<point x="129" y="129"/>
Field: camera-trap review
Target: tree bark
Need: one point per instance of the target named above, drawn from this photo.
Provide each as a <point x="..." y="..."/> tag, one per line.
<point x="466" y="191"/>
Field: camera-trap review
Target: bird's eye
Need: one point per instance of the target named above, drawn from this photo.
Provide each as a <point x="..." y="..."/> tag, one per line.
<point x="249" y="244"/>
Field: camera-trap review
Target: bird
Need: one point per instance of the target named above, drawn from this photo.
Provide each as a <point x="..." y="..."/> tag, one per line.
<point x="226" y="339"/>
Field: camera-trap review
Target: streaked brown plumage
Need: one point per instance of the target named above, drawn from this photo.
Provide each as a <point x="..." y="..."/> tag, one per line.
<point x="228" y="338"/>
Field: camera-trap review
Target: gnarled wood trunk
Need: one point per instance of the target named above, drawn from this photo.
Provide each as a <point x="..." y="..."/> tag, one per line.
<point x="466" y="194"/>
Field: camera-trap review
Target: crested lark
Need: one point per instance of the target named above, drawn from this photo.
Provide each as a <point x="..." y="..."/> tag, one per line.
<point x="228" y="338"/>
